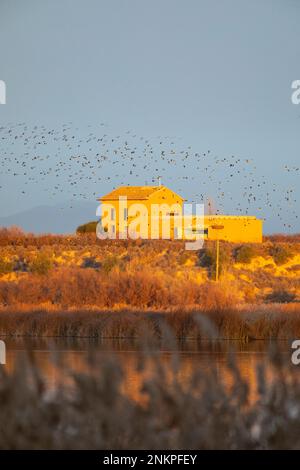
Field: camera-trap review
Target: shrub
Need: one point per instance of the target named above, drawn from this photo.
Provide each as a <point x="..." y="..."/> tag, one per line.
<point x="281" y="254"/>
<point x="208" y="257"/>
<point x="89" y="227"/>
<point x="11" y="232"/>
<point x="281" y="296"/>
<point x="109" y="263"/>
<point x="5" y="267"/>
<point x="183" y="258"/>
<point x="91" y="262"/>
<point x="294" y="268"/>
<point x="280" y="237"/>
<point x="21" y="265"/>
<point x="41" y="264"/>
<point x="244" y="254"/>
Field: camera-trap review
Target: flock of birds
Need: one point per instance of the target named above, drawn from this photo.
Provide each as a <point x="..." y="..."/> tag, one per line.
<point x="68" y="163"/>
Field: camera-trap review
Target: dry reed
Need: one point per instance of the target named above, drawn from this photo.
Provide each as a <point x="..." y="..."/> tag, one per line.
<point x="246" y="324"/>
<point x="202" y="413"/>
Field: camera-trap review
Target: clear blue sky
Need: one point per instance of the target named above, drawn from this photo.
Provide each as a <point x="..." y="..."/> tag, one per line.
<point x="196" y="75"/>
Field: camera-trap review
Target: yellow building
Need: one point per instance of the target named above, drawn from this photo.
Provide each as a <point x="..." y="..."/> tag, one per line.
<point x="158" y="212"/>
<point x="233" y="228"/>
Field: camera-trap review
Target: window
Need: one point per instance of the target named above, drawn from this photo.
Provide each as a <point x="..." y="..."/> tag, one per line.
<point x="112" y="214"/>
<point x="125" y="213"/>
<point x="199" y="231"/>
<point x="195" y="230"/>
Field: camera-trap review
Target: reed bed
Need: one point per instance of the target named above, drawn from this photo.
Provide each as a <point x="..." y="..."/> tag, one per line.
<point x="246" y="323"/>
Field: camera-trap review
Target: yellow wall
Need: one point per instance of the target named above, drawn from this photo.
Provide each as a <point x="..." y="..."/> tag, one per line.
<point x="238" y="229"/>
<point x="164" y="196"/>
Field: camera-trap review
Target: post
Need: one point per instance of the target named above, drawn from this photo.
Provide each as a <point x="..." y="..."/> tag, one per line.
<point x="217" y="260"/>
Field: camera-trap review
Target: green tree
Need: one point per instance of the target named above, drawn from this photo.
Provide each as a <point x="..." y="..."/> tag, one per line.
<point x="89" y="227"/>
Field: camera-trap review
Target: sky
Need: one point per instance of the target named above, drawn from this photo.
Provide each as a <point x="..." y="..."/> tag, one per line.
<point x="196" y="91"/>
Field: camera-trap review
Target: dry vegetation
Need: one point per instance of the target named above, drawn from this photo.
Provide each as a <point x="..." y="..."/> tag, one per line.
<point x="79" y="273"/>
<point x="245" y="324"/>
<point x="93" y="412"/>
<point x="155" y="291"/>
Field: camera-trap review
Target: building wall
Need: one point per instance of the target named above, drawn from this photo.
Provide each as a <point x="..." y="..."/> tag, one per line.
<point x="164" y="221"/>
<point x="236" y="229"/>
<point x="148" y="225"/>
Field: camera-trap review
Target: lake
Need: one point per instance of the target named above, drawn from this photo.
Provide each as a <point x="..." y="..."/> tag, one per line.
<point x="188" y="356"/>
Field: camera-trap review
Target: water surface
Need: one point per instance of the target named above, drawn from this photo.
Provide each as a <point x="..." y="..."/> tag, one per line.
<point x="187" y="356"/>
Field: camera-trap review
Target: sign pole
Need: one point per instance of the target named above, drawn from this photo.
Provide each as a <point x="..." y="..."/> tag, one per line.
<point x="217" y="260"/>
<point x="217" y="227"/>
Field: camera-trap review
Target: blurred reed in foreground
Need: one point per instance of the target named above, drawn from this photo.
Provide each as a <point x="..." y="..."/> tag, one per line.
<point x="203" y="413"/>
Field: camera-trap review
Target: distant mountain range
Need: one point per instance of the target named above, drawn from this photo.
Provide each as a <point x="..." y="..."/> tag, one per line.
<point x="61" y="218"/>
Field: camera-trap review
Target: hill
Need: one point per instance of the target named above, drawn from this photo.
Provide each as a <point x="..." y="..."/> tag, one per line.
<point x="57" y="219"/>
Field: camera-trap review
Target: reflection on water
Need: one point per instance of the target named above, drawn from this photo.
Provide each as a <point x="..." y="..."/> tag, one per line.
<point x="192" y="356"/>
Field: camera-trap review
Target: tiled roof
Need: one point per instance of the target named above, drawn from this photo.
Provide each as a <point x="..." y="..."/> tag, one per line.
<point x="220" y="216"/>
<point x="132" y="192"/>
